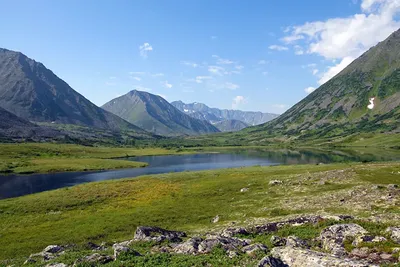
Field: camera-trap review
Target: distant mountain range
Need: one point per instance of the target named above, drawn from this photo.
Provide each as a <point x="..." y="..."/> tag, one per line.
<point x="230" y="125"/>
<point x="216" y="116"/>
<point x="32" y="92"/>
<point x="364" y="97"/>
<point x="156" y="115"/>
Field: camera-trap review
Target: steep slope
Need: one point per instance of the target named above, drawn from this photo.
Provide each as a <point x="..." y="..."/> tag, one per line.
<point x="31" y="91"/>
<point x="13" y="127"/>
<point x="213" y="115"/>
<point x="364" y="97"/>
<point x="155" y="114"/>
<point x="230" y="125"/>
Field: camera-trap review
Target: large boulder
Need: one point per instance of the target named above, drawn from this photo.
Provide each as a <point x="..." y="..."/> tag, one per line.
<point x="298" y="257"/>
<point x="148" y="233"/>
<point x="269" y="261"/>
<point x="333" y="237"/>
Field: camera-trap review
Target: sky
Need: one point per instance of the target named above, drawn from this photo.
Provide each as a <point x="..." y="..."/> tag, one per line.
<point x="256" y="55"/>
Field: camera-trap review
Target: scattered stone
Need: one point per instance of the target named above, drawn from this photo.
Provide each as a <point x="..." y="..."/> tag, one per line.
<point x="271" y="262"/>
<point x="395" y="250"/>
<point x="251" y="249"/>
<point x="119" y="248"/>
<point x="190" y="247"/>
<point x="228" y="244"/>
<point x="298" y="257"/>
<point x="230" y="232"/>
<point x="277" y="241"/>
<point x="215" y="219"/>
<point x="364" y="239"/>
<point x="56" y="265"/>
<point x="394" y="233"/>
<point x="275" y="182"/>
<point x="361" y="253"/>
<point x="374" y="257"/>
<point x="294" y="241"/>
<point x="53" y="249"/>
<point x="392" y="186"/>
<point x="231" y="254"/>
<point x="29" y="261"/>
<point x="333" y="237"/>
<point x="386" y="257"/>
<point x="244" y="189"/>
<point x="147" y="233"/>
<point x="94" y="259"/>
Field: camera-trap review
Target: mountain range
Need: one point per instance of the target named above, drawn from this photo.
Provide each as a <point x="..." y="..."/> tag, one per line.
<point x="364" y="97"/>
<point x="156" y="115"/>
<point x="217" y="116"/>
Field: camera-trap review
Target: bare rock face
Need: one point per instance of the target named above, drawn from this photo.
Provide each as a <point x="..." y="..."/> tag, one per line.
<point x="147" y="233"/>
<point x="333" y="237"/>
<point x="298" y="257"/>
<point x="394" y="233"/>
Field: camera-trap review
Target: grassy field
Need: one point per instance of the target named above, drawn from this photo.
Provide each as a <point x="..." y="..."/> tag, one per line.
<point x="111" y="210"/>
<point x="48" y="157"/>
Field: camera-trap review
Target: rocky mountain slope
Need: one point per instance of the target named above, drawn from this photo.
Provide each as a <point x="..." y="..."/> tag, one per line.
<point x="230" y="125"/>
<point x="31" y="91"/>
<point x="364" y="97"/>
<point x="213" y="115"/>
<point x="155" y="114"/>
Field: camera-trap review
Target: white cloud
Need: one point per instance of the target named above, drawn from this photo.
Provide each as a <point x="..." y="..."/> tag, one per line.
<point x="158" y="74"/>
<point x="222" y="61"/>
<point x="239" y="67"/>
<point x="262" y="62"/>
<point x="144" y="49"/>
<point x="141" y="88"/>
<point x="309" y="90"/>
<point x="166" y="84"/>
<point x="190" y="63"/>
<point x="346" y="38"/>
<point x="136" y="78"/>
<point x="141" y="73"/>
<point x="162" y="95"/>
<point x="231" y="86"/>
<point x="332" y="71"/>
<point x="298" y="50"/>
<point x="278" y="47"/>
<point x="315" y="71"/>
<point x="200" y="79"/>
<point x="216" y="70"/>
<point x="238" y="100"/>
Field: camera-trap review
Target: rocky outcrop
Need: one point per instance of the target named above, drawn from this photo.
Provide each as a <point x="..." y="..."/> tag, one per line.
<point x="333" y="237"/>
<point x="93" y="260"/>
<point x="147" y="233"/>
<point x="298" y="257"/>
<point x="49" y="253"/>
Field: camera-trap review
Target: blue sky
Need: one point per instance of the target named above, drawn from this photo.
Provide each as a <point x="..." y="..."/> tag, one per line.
<point x="261" y="55"/>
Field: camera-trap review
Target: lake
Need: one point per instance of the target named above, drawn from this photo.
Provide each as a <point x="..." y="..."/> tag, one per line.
<point x="19" y="185"/>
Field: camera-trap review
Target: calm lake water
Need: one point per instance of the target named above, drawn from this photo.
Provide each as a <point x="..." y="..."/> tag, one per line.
<point x="19" y="185"/>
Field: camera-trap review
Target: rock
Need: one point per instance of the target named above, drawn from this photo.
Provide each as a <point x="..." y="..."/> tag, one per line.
<point x="190" y="247"/>
<point x="230" y="232"/>
<point x="299" y="257"/>
<point x="333" y="237"/>
<point x="277" y="241"/>
<point x="226" y="243"/>
<point x="56" y="265"/>
<point x="374" y="257"/>
<point x="275" y="182"/>
<point x="294" y="241"/>
<point x="120" y="248"/>
<point x="244" y="189"/>
<point x="362" y="239"/>
<point x="361" y="253"/>
<point x="94" y="260"/>
<point x="215" y="219"/>
<point x="386" y="257"/>
<point x="29" y="261"/>
<point x="378" y="239"/>
<point x="271" y="262"/>
<point x="395" y="250"/>
<point x="392" y="186"/>
<point x="254" y="248"/>
<point x="53" y="249"/>
<point x="146" y="233"/>
<point x="394" y="233"/>
<point x="231" y="254"/>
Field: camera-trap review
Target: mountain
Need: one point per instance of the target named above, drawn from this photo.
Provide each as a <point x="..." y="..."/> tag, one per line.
<point x="214" y="115"/>
<point x="31" y="91"/>
<point x="155" y="114"/>
<point x="13" y="127"/>
<point x="230" y="125"/>
<point x="364" y="97"/>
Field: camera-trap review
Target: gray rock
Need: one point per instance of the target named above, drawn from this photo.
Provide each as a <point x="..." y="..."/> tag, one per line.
<point x="215" y="219"/>
<point x="392" y="186"/>
<point x="333" y="237"/>
<point x="271" y="262"/>
<point x="231" y="254"/>
<point x="53" y="249"/>
<point x="56" y="265"/>
<point x="227" y="243"/>
<point x="94" y="260"/>
<point x="121" y="248"/>
<point x="147" y="233"/>
<point x="251" y="249"/>
<point x="275" y="182"/>
<point x="298" y="257"/>
<point x="361" y="253"/>
<point x="244" y="189"/>
<point x="294" y="241"/>
<point x="394" y="233"/>
<point x="29" y="261"/>
<point x="190" y="247"/>
<point x="230" y="232"/>
<point x="386" y="256"/>
<point x="278" y="241"/>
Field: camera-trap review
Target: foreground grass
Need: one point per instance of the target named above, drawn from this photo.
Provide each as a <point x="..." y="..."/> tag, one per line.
<point x="48" y="157"/>
<point x="111" y="210"/>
